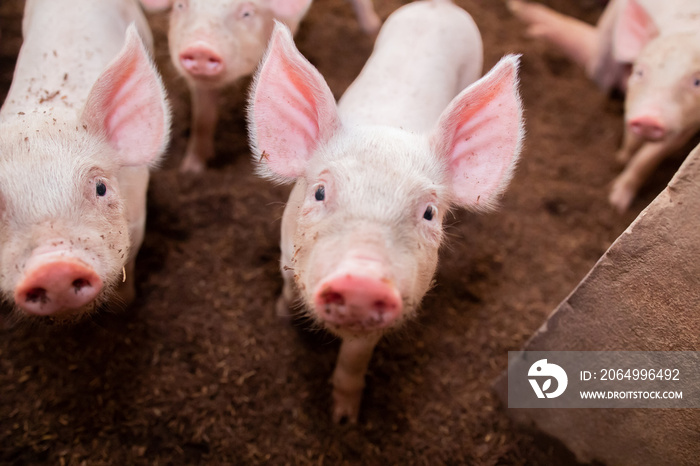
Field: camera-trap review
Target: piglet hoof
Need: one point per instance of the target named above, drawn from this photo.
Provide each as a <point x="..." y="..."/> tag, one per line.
<point x="346" y="406"/>
<point x="192" y="164"/>
<point x="621" y="196"/>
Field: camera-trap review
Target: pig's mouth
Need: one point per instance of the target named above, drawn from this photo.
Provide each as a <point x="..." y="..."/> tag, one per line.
<point x="338" y="315"/>
<point x="13" y="315"/>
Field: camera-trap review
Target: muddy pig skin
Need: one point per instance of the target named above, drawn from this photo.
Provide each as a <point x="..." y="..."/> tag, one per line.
<point x="215" y="42"/>
<point x="84" y="118"/>
<point x="376" y="174"/>
<point x="649" y="49"/>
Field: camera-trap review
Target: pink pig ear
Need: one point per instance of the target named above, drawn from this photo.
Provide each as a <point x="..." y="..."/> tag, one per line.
<point x="289" y="9"/>
<point x="127" y="105"/>
<point x="291" y="110"/>
<point x="480" y="135"/>
<point x="633" y="31"/>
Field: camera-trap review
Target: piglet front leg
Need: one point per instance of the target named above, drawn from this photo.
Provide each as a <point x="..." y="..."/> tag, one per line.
<point x="638" y="170"/>
<point x="349" y="376"/>
<point x="205" y="116"/>
<point x="286" y="299"/>
<point x="630" y="145"/>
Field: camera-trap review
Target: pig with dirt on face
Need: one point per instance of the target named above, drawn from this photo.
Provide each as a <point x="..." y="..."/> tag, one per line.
<point x="651" y="50"/>
<point x="215" y="42"/>
<point x="84" y="118"/>
<point x="376" y="174"/>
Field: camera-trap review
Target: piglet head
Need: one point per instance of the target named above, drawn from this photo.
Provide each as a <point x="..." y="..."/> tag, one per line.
<point x="64" y="230"/>
<point x="214" y="42"/>
<point x="369" y="201"/>
<point x="663" y="91"/>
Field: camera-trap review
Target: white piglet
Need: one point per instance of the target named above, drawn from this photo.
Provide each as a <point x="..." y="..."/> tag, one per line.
<point x="649" y="49"/>
<point x="376" y="174"/>
<point x="84" y="118"/>
<point x="213" y="43"/>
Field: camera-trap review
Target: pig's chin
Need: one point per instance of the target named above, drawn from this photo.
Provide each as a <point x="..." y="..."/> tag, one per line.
<point x="213" y="83"/>
<point x="357" y="328"/>
<point x="209" y="83"/>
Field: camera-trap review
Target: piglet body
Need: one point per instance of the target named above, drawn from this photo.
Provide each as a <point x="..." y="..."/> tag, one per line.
<point x="649" y="49"/>
<point x="213" y="43"/>
<point x="84" y="117"/>
<point x="376" y="174"/>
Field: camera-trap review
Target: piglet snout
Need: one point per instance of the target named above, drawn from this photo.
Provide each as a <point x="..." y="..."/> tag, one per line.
<point x="55" y="286"/>
<point x="199" y="59"/>
<point x="647" y="127"/>
<point x="357" y="302"/>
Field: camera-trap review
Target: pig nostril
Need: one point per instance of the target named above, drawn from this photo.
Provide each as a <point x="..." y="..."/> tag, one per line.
<point x="331" y="297"/>
<point x="380" y="306"/>
<point x="37" y="295"/>
<point x="79" y="284"/>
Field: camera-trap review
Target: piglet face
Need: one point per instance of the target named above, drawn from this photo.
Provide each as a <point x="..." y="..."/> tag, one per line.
<point x="214" y="42"/>
<point x="369" y="201"/>
<point x="368" y="229"/>
<point x="64" y="232"/>
<point x="663" y="99"/>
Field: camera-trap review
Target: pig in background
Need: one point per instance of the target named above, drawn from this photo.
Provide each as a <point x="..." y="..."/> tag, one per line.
<point x="649" y="49"/>
<point x="216" y="42"/>
<point x="83" y="120"/>
<point x="376" y="174"/>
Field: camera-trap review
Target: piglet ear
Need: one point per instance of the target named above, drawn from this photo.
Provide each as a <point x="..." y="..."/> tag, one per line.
<point x="633" y="31"/>
<point x="156" y="5"/>
<point x="480" y="135"/>
<point x="127" y="105"/>
<point x="289" y="9"/>
<point x="291" y="110"/>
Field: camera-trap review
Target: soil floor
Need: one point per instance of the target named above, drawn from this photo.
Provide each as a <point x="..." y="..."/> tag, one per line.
<point x="201" y="371"/>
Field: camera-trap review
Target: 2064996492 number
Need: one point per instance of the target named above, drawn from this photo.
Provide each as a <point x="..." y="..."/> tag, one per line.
<point x="640" y="374"/>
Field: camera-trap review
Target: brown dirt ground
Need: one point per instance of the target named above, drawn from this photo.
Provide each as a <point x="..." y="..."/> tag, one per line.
<point x="201" y="370"/>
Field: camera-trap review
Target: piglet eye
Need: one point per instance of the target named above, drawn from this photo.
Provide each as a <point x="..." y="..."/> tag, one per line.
<point x="696" y="82"/>
<point x="320" y="193"/>
<point x="430" y="212"/>
<point x="100" y="189"/>
<point x="247" y="11"/>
